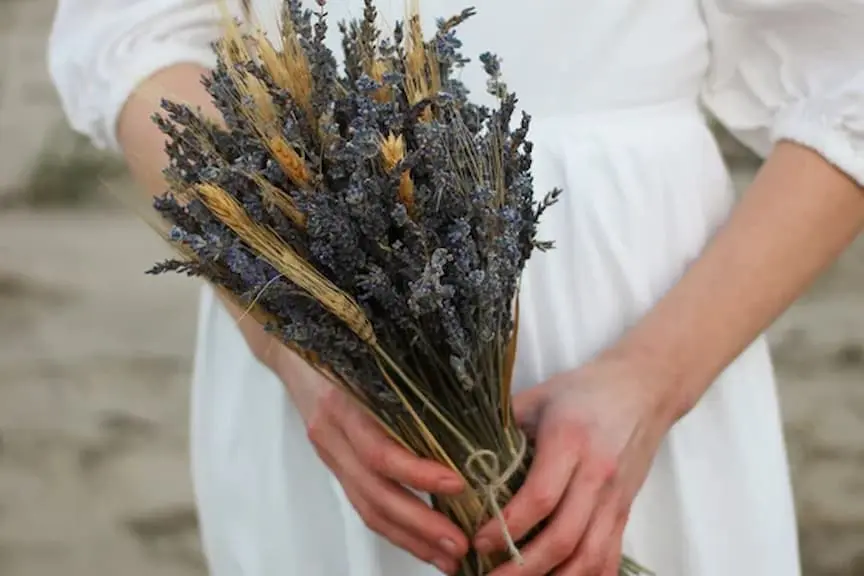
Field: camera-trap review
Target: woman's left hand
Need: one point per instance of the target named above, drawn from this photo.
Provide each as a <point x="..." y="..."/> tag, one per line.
<point x="596" y="431"/>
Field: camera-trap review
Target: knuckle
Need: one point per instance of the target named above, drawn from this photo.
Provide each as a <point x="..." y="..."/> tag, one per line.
<point x="623" y="513"/>
<point x="370" y="516"/>
<point x="377" y="457"/>
<point x="316" y="429"/>
<point x="372" y="519"/>
<point x="544" y="501"/>
<point x="593" y="557"/>
<point x="607" y="468"/>
<point x="560" y="546"/>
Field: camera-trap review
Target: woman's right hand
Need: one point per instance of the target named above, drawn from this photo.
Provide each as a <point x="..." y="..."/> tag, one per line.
<point x="374" y="470"/>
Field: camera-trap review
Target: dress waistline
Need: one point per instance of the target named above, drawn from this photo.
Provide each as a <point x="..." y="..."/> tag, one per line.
<point x="612" y="117"/>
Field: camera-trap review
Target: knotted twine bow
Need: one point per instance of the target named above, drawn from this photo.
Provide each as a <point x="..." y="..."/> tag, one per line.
<point x="484" y="469"/>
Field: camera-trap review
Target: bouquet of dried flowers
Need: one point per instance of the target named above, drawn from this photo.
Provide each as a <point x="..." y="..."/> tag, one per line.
<point x="378" y="222"/>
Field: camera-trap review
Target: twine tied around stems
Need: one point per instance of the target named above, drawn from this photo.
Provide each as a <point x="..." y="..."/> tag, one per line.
<point x="484" y="469"/>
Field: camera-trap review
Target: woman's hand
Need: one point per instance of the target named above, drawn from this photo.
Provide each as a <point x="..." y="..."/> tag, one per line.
<point x="596" y="431"/>
<point x="373" y="468"/>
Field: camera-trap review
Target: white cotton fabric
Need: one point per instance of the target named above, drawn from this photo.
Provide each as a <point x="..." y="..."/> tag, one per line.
<point x="615" y="89"/>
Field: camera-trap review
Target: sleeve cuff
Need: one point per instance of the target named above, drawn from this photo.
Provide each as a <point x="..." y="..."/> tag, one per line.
<point x="147" y="62"/>
<point x="837" y="135"/>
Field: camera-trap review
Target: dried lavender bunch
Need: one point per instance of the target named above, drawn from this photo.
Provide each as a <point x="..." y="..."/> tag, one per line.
<point x="377" y="220"/>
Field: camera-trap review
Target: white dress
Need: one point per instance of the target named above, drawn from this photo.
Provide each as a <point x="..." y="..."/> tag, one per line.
<point x="615" y="88"/>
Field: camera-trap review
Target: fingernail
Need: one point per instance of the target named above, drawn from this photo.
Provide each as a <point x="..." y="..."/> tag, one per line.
<point x="483" y="545"/>
<point x="448" y="546"/>
<point x="442" y="565"/>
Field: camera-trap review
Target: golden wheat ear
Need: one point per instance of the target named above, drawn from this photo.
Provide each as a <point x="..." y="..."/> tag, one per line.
<point x="392" y="153"/>
<point x="286" y="261"/>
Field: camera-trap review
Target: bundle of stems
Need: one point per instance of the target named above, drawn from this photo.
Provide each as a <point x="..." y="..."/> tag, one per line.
<point x="376" y="220"/>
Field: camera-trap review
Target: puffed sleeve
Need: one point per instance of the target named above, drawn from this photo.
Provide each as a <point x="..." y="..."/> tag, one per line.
<point x="790" y="70"/>
<point x="99" y="51"/>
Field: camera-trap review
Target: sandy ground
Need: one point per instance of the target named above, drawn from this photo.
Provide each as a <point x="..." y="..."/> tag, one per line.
<point x="94" y="366"/>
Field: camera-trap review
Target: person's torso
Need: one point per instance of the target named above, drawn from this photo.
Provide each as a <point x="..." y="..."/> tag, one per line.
<point x="562" y="57"/>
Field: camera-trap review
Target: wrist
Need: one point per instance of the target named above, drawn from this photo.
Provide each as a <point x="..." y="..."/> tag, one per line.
<point x="663" y="379"/>
<point x="286" y="364"/>
<point x="293" y="370"/>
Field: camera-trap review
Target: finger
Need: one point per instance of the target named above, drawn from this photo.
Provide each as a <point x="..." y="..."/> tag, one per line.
<point x="398" y="536"/>
<point x="416" y="517"/>
<point x="396" y="505"/>
<point x="387" y="501"/>
<point x="329" y="443"/>
<point x="555" y="461"/>
<point x="613" y="560"/>
<point x="592" y="554"/>
<point x="560" y="539"/>
<point x="444" y="563"/>
<point x="613" y="567"/>
<point x="383" y="455"/>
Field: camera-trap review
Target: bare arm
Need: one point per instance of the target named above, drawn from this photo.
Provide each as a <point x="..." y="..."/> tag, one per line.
<point x="143" y="146"/>
<point x="798" y="215"/>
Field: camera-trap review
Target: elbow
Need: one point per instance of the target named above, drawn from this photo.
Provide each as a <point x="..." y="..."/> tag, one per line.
<point x="96" y="61"/>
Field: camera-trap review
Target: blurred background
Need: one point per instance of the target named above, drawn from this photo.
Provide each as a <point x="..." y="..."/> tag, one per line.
<point x="95" y="359"/>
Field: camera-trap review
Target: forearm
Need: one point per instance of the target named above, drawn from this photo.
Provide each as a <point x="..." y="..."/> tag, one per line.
<point x="143" y="146"/>
<point x="795" y="219"/>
